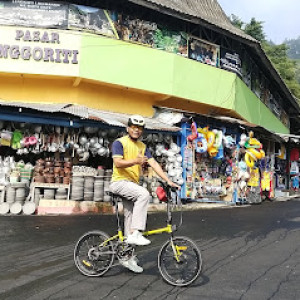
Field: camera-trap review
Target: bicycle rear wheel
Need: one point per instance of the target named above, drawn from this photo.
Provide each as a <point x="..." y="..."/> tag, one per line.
<point x="179" y="261"/>
<point x="92" y="255"/>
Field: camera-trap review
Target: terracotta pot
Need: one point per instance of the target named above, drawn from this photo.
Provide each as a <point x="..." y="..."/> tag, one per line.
<point x="57" y="164"/>
<point x="66" y="180"/>
<point x="39" y="179"/>
<point x="49" y="170"/>
<point x="56" y="169"/>
<point x="49" y="179"/>
<point x="40" y="161"/>
<point x="67" y="170"/>
<point x="48" y="164"/>
<point x="61" y="172"/>
<point x="39" y="169"/>
<point x="68" y="164"/>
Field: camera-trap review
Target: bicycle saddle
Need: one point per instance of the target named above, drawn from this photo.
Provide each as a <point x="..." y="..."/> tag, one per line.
<point x="114" y="196"/>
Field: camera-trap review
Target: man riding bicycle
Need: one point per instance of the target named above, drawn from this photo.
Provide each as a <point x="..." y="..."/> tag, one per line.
<point x="129" y="155"/>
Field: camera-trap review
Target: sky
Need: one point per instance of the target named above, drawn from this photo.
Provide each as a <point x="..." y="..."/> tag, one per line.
<point x="281" y="17"/>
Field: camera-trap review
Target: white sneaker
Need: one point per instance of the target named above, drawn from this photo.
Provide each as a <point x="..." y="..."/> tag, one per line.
<point x="136" y="238"/>
<point x="131" y="264"/>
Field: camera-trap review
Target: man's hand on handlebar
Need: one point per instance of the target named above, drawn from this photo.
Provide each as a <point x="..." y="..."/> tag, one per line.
<point x="172" y="184"/>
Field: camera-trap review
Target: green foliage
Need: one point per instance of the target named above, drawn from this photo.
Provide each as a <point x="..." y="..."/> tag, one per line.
<point x="294" y="48"/>
<point x="236" y="21"/>
<point x="288" y="69"/>
<point x="297" y="61"/>
<point x="168" y="40"/>
<point x="284" y="65"/>
<point x="255" y="29"/>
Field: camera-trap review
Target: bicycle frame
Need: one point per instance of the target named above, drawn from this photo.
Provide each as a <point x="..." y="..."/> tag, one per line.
<point x="170" y="228"/>
<point x="178" y="254"/>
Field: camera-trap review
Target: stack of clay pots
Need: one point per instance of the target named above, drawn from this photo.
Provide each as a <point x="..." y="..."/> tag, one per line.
<point x="61" y="194"/>
<point x="107" y="179"/>
<point x="99" y="186"/>
<point x="49" y="194"/>
<point x="88" y="194"/>
<point x="15" y="196"/>
<point x="77" y="190"/>
<point x="38" y="174"/>
<point x="52" y="171"/>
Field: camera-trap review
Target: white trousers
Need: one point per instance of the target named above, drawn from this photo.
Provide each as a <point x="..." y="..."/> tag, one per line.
<point x="136" y="205"/>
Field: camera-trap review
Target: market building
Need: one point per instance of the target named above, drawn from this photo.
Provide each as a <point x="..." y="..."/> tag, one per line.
<point x="71" y="74"/>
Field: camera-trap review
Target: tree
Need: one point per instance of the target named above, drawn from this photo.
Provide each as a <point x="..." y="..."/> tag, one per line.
<point x="288" y="69"/>
<point x="284" y="65"/>
<point x="236" y="21"/>
<point x="294" y="48"/>
<point x="255" y="29"/>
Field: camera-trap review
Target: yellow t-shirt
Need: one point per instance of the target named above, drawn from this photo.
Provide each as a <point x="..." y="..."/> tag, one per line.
<point x="127" y="148"/>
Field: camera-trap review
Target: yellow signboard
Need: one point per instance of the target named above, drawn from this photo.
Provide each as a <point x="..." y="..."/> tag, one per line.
<point x="39" y="51"/>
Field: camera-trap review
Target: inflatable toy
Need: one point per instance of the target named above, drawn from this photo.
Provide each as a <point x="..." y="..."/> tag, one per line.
<point x="203" y="130"/>
<point x="201" y="144"/>
<point x="218" y="138"/>
<point x="243" y="139"/>
<point x="220" y="153"/>
<point x="194" y="134"/>
<point x="281" y="154"/>
<point x="254" y="150"/>
<point x="229" y="142"/>
<point x="16" y="140"/>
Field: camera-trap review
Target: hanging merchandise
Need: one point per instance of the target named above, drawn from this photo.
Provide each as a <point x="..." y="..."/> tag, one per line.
<point x="229" y="142"/>
<point x="250" y="152"/>
<point x="16" y="139"/>
<point x="208" y="164"/>
<point x="295" y="154"/>
<point x="5" y="138"/>
<point x="211" y="149"/>
<point x="266" y="181"/>
<point x="188" y="165"/>
<point x="295" y="182"/>
<point x="294" y="170"/>
<point x="254" y="179"/>
<point x="194" y="134"/>
<point x="282" y="152"/>
<point x="253" y="147"/>
<point x="201" y="144"/>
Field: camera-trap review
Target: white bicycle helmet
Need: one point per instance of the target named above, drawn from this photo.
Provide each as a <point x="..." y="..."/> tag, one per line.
<point x="136" y="120"/>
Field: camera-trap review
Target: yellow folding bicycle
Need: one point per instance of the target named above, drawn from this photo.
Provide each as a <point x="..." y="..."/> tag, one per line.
<point x="179" y="259"/>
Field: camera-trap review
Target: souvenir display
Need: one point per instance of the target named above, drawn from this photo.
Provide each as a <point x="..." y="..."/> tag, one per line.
<point x="208" y="163"/>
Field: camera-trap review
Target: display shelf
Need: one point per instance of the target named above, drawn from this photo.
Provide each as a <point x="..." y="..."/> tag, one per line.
<point x="35" y="185"/>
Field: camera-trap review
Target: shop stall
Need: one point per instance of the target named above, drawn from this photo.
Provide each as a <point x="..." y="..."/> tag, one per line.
<point x="226" y="163"/>
<point x="40" y="162"/>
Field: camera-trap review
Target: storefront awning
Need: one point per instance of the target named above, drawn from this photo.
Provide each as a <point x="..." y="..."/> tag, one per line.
<point x="84" y="112"/>
<point x="288" y="137"/>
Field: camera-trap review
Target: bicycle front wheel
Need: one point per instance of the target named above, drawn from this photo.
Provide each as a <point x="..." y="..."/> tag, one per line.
<point x="179" y="261"/>
<point x="93" y="256"/>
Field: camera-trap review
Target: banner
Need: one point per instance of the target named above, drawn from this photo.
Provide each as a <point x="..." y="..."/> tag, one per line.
<point x="90" y="19"/>
<point x="34" y="13"/>
<point x="230" y="61"/>
<point x="171" y="41"/>
<point x="204" y="52"/>
<point x="134" y="30"/>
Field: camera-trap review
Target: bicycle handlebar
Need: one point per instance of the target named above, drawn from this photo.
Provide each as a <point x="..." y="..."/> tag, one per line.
<point x="167" y="186"/>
